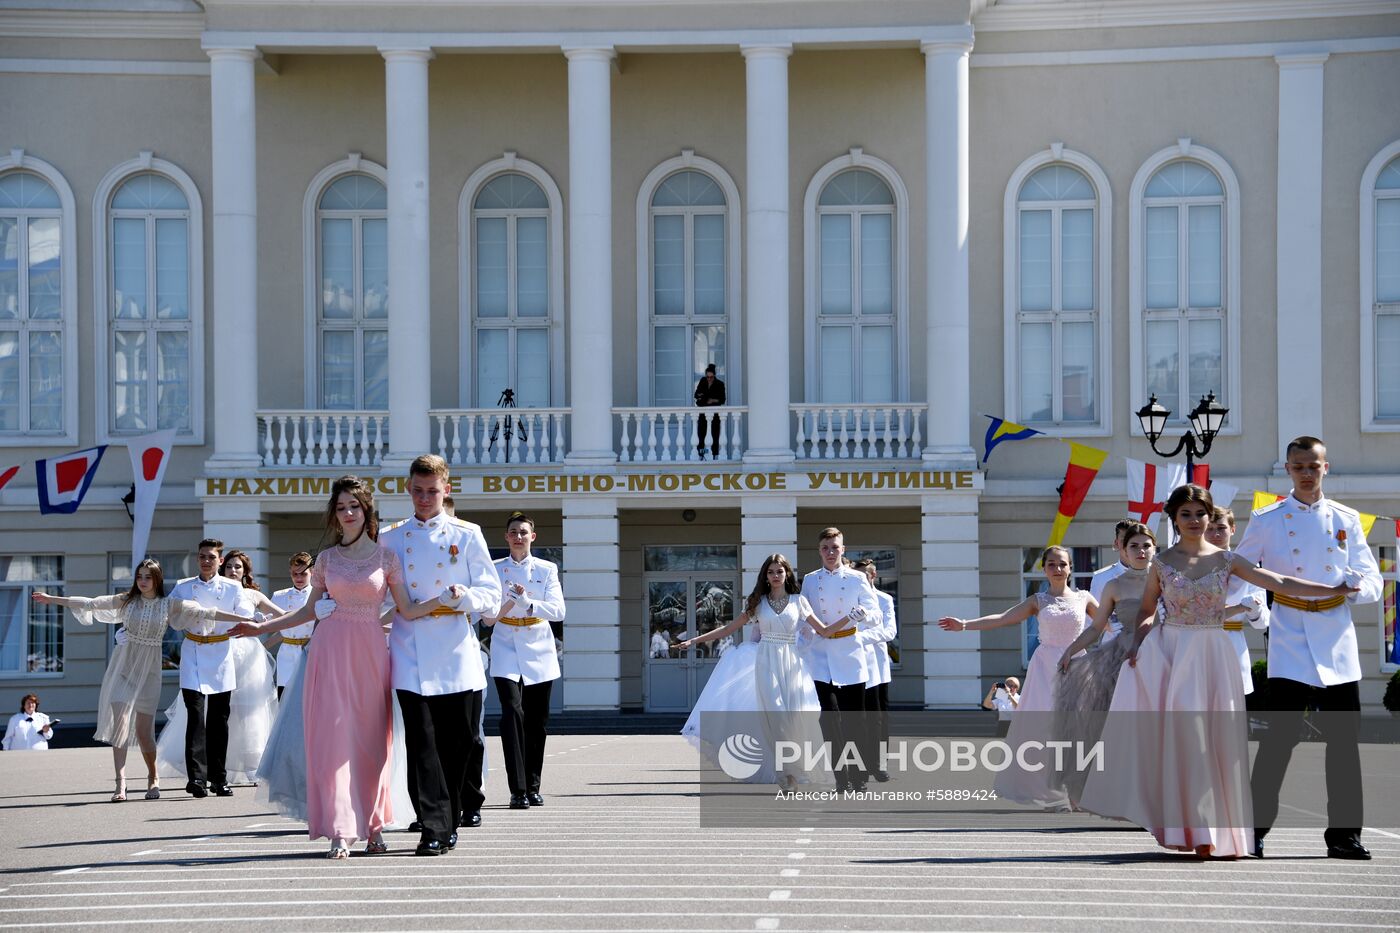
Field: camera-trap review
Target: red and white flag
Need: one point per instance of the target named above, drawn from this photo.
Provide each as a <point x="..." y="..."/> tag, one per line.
<point x="149" y="456"/>
<point x="1149" y="484"/>
<point x="63" y="481"/>
<point x="1222" y="493"/>
<point x="8" y="474"/>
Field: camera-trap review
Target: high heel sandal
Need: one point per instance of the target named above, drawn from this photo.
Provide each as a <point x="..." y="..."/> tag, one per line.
<point x="153" y="790"/>
<point x="376" y="846"/>
<point x="120" y="794"/>
<point x="338" y="850"/>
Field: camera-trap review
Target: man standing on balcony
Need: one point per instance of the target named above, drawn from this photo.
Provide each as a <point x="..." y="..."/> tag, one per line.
<point x="709" y="392"/>
<point x="436" y="660"/>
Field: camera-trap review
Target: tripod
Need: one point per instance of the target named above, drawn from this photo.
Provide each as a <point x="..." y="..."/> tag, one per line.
<point x="507" y="400"/>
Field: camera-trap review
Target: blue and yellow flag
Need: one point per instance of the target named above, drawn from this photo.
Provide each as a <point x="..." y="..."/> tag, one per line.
<point x="1001" y="430"/>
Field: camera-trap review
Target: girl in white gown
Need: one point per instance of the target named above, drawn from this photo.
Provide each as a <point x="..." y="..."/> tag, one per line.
<point x="767" y="676"/>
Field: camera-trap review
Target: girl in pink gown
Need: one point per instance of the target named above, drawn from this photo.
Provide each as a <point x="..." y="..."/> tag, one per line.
<point x="1061" y="611"/>
<point x="1176" y="745"/>
<point x="346" y="697"/>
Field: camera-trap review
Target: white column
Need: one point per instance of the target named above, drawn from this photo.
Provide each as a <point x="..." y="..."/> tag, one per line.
<point x="767" y="525"/>
<point x="235" y="292"/>
<point x="1299" y="228"/>
<point x="592" y="663"/>
<point x="952" y="660"/>
<point x="239" y="523"/>
<point x="767" y="264"/>
<point x="410" y="337"/>
<point x="590" y="256"/>
<point x="945" y="261"/>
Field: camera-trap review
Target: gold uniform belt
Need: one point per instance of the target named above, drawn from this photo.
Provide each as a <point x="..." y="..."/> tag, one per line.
<point x="299" y="642"/>
<point x="520" y="622"/>
<point x="444" y="611"/>
<point x="207" y="639"/>
<point x="1231" y="626"/>
<point x="844" y="633"/>
<point x="1310" y="605"/>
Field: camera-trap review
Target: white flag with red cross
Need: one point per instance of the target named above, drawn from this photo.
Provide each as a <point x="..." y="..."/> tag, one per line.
<point x="149" y="456"/>
<point x="63" y="481"/>
<point x="1149" y="484"/>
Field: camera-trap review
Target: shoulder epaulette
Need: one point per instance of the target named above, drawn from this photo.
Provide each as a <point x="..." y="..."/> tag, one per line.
<point x="1269" y="508"/>
<point x="1344" y="508"/>
<point x="397" y="524"/>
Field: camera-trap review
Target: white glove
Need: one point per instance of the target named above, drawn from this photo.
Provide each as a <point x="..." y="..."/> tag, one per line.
<point x="324" y="607"/>
<point x="1253" y="605"/>
<point x="857" y="615"/>
<point x="120" y="637"/>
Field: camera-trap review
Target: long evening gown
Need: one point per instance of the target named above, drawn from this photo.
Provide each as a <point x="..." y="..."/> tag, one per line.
<point x="767" y="677"/>
<point x="1176" y="759"/>
<point x="1061" y="620"/>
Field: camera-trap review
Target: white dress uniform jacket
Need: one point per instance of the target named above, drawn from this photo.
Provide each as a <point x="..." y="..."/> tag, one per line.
<point x="23" y="735"/>
<point x="209" y="668"/>
<point x="525" y="653"/>
<point x="879" y="652"/>
<point x="833" y="595"/>
<point x="288" y="654"/>
<point x="1258" y="617"/>
<point x="439" y="654"/>
<point x="1322" y="542"/>
<point x="1097" y="583"/>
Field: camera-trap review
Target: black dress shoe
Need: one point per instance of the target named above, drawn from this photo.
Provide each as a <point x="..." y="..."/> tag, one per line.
<point x="222" y="790"/>
<point x="415" y="827"/>
<point x="882" y="776"/>
<point x="519" y="802"/>
<point x="471" y="820"/>
<point x="535" y="799"/>
<point x="430" y="847"/>
<point x="451" y="842"/>
<point x="1348" y="849"/>
<point x="196" y="789"/>
<point x="1258" y="850"/>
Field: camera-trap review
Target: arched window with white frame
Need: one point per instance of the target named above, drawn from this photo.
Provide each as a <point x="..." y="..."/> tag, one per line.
<point x="149" y="300"/>
<point x="1058" y="249"/>
<point x="37" y="285"/>
<point x="1184" y="289"/>
<point x="352" y="294"/>
<point x="1380" y="291"/>
<point x="856" y="297"/>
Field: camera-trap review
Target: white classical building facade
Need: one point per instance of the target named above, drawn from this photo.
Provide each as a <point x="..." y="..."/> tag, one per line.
<point x="319" y="238"/>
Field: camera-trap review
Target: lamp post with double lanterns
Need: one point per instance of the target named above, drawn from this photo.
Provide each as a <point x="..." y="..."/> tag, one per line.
<point x="1206" y="420"/>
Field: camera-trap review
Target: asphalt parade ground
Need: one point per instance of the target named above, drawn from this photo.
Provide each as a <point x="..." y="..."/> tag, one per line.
<point x="619" y="845"/>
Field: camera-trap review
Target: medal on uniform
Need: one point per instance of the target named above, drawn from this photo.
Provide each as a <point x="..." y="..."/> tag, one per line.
<point x="1342" y="538"/>
<point x="453" y="551"/>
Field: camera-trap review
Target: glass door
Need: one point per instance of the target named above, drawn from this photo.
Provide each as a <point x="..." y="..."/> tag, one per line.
<point x="689" y="591"/>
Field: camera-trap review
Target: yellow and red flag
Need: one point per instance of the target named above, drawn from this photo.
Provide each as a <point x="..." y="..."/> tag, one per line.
<point x="1262" y="499"/>
<point x="1084" y="465"/>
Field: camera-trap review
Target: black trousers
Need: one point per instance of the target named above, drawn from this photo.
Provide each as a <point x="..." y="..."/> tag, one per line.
<point x="877" y="708"/>
<point x="472" y="794"/>
<point x="434" y="732"/>
<point x="524" y="722"/>
<point x="843" y="723"/>
<point x="206" y="736"/>
<point x="714" y="433"/>
<point x="1340" y="724"/>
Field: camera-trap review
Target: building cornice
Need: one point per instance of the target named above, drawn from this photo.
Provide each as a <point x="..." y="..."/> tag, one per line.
<point x="1019" y="15"/>
<point x="89" y="24"/>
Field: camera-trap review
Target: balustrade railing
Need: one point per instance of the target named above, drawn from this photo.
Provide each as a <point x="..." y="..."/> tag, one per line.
<point x="323" y="438"/>
<point x="670" y="435"/>
<point x="892" y="431"/>
<point x="483" y="436"/>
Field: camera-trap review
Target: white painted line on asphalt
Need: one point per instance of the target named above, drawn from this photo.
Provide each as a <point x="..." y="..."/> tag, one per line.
<point x="780" y="895"/>
<point x="1323" y="816"/>
<point x="804" y="841"/>
<point x="797" y="855"/>
<point x="766" y="923"/>
<point x="72" y="871"/>
<point x="786" y="873"/>
<point x="144" y="852"/>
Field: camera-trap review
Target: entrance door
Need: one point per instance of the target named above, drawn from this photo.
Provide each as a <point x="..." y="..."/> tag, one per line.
<point x="689" y="591"/>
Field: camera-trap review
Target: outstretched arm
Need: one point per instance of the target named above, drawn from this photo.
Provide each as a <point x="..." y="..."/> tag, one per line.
<point x="1147" y="612"/>
<point x="307" y="613"/>
<point x="1100" y="612"/>
<point x="1017" y="613"/>
<point x="1288" y="586"/>
<point x="715" y="634"/>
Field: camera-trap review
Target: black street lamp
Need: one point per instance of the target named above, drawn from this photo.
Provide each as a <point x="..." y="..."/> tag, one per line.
<point x="1206" y="421"/>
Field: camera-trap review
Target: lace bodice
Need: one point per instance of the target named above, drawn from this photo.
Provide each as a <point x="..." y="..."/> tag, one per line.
<point x="357" y="586"/>
<point x="1061" y="617"/>
<point x="782" y="627"/>
<point x="145" y="620"/>
<point x="1199" y="602"/>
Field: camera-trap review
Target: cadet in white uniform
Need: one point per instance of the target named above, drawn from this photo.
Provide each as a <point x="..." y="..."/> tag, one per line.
<point x="1241" y="593"/>
<point x="877" y="689"/>
<point x="1312" y="643"/>
<point x="293" y="641"/>
<point x="207" y="673"/>
<point x="436" y="660"/>
<point x="838" y="661"/>
<point x="524" y="662"/>
<point x="1104" y="575"/>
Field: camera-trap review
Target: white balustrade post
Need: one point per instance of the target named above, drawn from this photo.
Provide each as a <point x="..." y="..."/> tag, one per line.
<point x="590" y="255"/>
<point x="233" y="120"/>
<point x="946" y="262"/>
<point x="410" y="338"/>
<point x="766" y="300"/>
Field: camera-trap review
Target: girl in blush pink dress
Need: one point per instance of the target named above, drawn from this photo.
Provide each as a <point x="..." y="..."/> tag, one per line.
<point x="346" y="698"/>
<point x="1062" y="612"/>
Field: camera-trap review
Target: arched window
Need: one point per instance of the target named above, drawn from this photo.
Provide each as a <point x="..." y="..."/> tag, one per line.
<point x="35" y="302"/>
<point x="1184" y="288"/>
<point x="1380" y="291"/>
<point x="1057" y="298"/>
<point x="689" y="296"/>
<point x="352" y="300"/>
<point x="512" y="294"/>
<point x="855" y="288"/>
